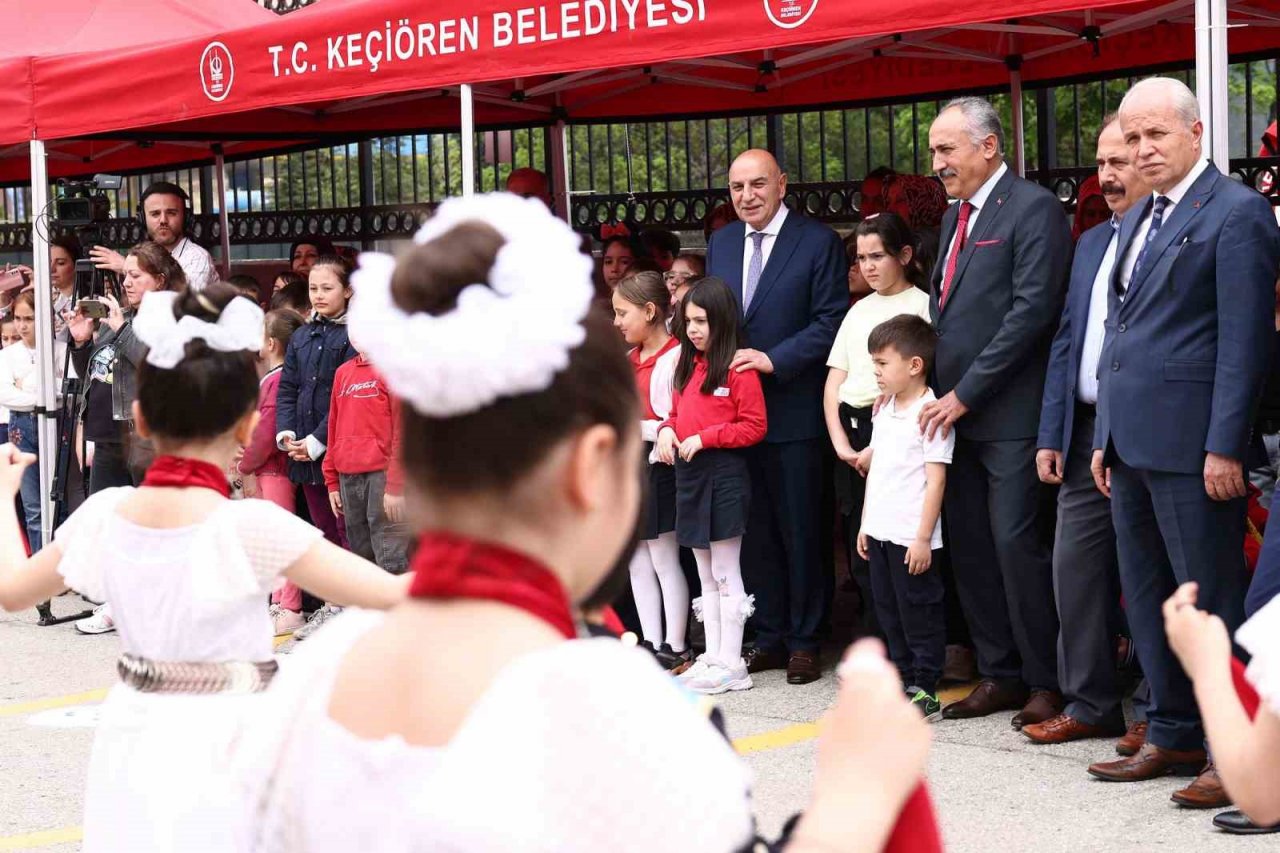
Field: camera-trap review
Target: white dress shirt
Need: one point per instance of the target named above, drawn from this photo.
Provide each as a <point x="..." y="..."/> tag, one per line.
<point x="196" y="263"/>
<point x="979" y="199"/>
<point x="1095" y="329"/>
<point x="1175" y="196"/>
<point x="766" y="245"/>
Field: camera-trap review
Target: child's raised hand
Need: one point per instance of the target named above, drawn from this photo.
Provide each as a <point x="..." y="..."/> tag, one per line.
<point x="12" y="463"/>
<point x="335" y="502"/>
<point x="690" y="446"/>
<point x="1199" y="639"/>
<point x="667" y="446"/>
<point x="919" y="557"/>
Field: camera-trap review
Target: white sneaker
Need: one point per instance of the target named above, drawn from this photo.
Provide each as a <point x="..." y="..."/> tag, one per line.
<point x="285" y="622"/>
<point x="321" y="616"/>
<point x="99" y="623"/>
<point x="721" y="679"/>
<point x="699" y="668"/>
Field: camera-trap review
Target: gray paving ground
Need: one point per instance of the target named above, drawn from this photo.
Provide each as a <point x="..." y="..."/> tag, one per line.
<point x="994" y="792"/>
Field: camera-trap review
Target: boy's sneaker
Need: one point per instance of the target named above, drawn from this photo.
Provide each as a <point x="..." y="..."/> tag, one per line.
<point x="927" y="703"/>
<point x="99" y="623"/>
<point x="285" y="622"/>
<point x="321" y="616"/>
<point x="719" y="678"/>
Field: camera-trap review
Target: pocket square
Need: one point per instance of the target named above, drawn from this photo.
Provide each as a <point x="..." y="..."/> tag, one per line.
<point x="981" y="243"/>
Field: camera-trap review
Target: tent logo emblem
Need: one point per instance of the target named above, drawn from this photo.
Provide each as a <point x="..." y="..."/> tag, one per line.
<point x="217" y="72"/>
<point x="789" y="14"/>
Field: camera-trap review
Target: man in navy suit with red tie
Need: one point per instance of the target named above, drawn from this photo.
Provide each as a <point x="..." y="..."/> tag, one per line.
<point x="790" y="276"/>
<point x="1004" y="255"/>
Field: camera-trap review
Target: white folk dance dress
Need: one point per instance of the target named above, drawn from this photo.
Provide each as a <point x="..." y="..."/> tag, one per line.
<point x="586" y="746"/>
<point x="160" y="772"/>
<point x="1260" y="637"/>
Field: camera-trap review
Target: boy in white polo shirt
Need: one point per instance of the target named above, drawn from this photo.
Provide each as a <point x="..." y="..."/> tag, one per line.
<point x="900" y="518"/>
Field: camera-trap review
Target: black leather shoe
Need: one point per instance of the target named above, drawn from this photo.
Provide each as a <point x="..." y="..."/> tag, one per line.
<point x="669" y="659"/>
<point x="1236" y="823"/>
<point x="760" y="660"/>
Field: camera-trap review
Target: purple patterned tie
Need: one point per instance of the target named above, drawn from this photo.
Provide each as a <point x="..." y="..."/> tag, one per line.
<point x="754" y="269"/>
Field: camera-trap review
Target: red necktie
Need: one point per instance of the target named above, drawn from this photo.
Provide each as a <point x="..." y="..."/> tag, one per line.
<point x="957" y="246"/>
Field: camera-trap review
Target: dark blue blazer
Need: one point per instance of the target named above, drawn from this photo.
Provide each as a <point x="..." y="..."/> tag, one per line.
<point x="802" y="296"/>
<point x="311" y="361"/>
<point x="1188" y="348"/>
<point x="1057" y="409"/>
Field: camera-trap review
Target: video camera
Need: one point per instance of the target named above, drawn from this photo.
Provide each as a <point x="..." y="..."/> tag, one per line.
<point x="83" y="206"/>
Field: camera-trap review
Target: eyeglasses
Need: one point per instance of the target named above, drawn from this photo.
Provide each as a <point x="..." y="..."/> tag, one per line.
<point x="677" y="276"/>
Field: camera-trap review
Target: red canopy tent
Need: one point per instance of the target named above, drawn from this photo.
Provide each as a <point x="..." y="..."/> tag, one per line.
<point x="346" y="68"/>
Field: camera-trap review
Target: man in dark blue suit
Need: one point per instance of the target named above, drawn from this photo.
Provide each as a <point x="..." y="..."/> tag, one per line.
<point x="1188" y="336"/>
<point x="1086" y="578"/>
<point x="790" y="276"/>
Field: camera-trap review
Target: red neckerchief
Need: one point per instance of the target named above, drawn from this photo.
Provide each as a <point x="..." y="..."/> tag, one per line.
<point x="178" y="471"/>
<point x="450" y="566"/>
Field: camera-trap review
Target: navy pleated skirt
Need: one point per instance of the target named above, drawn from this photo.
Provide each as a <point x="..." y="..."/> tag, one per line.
<point x="713" y="495"/>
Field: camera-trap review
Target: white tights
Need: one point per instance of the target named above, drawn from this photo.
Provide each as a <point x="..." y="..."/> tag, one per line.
<point x="725" y="603"/>
<point x="658" y="586"/>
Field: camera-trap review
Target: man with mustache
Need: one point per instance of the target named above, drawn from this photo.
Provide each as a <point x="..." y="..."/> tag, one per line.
<point x="164" y="209"/>
<point x="1086" y="577"/>
<point x="1004" y="253"/>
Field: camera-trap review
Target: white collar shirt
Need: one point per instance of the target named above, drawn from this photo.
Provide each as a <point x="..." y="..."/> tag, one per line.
<point x="978" y="201"/>
<point x="1174" y="196"/>
<point x="1095" y="329"/>
<point x="770" y="231"/>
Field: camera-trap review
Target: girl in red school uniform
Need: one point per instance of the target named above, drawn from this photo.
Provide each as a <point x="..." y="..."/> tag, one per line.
<point x="640" y="307"/>
<point x="714" y="413"/>
<point x="268" y="464"/>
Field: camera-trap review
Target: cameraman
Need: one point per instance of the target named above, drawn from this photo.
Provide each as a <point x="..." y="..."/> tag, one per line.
<point x="164" y="208"/>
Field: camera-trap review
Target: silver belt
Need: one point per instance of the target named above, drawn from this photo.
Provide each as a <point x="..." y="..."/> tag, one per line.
<point x="151" y="676"/>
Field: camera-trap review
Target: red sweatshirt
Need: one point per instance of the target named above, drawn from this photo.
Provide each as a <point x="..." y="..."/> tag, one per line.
<point x="364" y="427"/>
<point x="733" y="416"/>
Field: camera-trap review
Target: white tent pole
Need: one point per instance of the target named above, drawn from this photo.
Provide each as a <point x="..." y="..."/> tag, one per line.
<point x="1211" y="78"/>
<point x="560" y="170"/>
<point x="219" y="165"/>
<point x="1018" y="147"/>
<point x="468" y="142"/>
<point x="47" y="405"/>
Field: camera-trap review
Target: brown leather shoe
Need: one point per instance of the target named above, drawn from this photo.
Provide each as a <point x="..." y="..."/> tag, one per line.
<point x="1206" y="792"/>
<point x="960" y="666"/>
<point x="803" y="668"/>
<point x="1133" y="739"/>
<point x="1043" y="705"/>
<point x="987" y="698"/>
<point x="1065" y="728"/>
<point x="1150" y="762"/>
<point x="761" y="660"/>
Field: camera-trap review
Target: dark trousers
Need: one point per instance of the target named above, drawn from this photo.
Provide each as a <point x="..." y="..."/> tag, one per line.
<point x="111" y="468"/>
<point x="1003" y="567"/>
<point x="369" y="532"/>
<point x="1086" y="583"/>
<point x="1169" y="532"/>
<point x="851" y="491"/>
<point x="1266" y="575"/>
<point x="781" y="553"/>
<point x="910" y="610"/>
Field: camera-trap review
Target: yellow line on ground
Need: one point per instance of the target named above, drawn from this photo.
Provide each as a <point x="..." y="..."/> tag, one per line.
<point x="785" y="736"/>
<point x="21" y="708"/>
<point x="44" y="838"/>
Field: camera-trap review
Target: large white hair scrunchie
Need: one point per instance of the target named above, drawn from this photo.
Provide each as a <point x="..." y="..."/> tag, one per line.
<point x="239" y="327"/>
<point x="508" y="337"/>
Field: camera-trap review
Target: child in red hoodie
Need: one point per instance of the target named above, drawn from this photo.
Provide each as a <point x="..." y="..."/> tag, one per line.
<point x="361" y="470"/>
